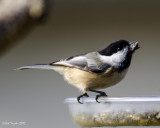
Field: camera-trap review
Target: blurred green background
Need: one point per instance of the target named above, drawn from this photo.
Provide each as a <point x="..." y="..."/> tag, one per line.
<point x="74" y="27"/>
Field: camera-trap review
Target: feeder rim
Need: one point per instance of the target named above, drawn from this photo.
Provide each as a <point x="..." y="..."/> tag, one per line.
<point x="115" y="99"/>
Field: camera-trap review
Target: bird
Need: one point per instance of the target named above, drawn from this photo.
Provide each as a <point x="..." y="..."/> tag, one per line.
<point x="94" y="70"/>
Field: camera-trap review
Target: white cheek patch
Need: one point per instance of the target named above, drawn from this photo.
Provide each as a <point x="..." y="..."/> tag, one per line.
<point x="116" y="58"/>
<point x="119" y="56"/>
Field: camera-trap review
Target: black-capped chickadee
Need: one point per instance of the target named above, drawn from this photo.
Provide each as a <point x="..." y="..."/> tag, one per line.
<point x="94" y="70"/>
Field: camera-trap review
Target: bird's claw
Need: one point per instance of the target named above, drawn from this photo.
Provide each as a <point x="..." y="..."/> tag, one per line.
<point x="101" y="94"/>
<point x="79" y="97"/>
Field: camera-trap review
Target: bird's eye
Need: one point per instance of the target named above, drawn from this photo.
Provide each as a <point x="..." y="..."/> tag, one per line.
<point x="118" y="49"/>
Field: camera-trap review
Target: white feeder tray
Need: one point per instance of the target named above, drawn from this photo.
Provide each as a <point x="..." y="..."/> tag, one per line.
<point x="115" y="111"/>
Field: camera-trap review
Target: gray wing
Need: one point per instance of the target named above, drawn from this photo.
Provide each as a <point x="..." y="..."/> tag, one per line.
<point x="90" y="62"/>
<point x="95" y="64"/>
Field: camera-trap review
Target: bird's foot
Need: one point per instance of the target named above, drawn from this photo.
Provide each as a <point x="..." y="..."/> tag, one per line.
<point x="79" y="97"/>
<point x="101" y="94"/>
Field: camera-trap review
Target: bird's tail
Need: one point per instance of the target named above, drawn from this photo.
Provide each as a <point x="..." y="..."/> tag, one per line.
<point x="36" y="66"/>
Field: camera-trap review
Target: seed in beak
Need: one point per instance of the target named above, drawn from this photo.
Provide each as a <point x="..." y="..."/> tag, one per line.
<point x="134" y="46"/>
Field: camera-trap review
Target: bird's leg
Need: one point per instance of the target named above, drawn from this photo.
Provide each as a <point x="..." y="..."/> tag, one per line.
<point x="79" y="97"/>
<point x="100" y="94"/>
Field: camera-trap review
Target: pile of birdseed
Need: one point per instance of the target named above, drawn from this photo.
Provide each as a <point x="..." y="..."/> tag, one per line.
<point x="122" y="118"/>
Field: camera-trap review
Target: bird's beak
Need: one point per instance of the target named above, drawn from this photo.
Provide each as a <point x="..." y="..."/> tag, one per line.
<point x="134" y="45"/>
